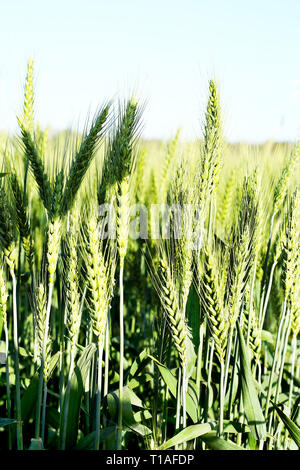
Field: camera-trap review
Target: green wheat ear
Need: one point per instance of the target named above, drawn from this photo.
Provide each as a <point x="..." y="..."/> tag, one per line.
<point x="282" y="184"/>
<point x="291" y="248"/>
<point x="212" y="150"/>
<point x="100" y="267"/>
<point x="40" y="310"/>
<point x="83" y="159"/>
<point x="224" y="208"/>
<point x="180" y="193"/>
<point x="295" y="311"/>
<point x="118" y="161"/>
<point x="172" y="147"/>
<point x="53" y="245"/>
<point x="37" y="167"/>
<point x="139" y="178"/>
<point x="252" y="330"/>
<point x="211" y="295"/>
<point x="26" y="120"/>
<point x="117" y="169"/>
<point x="175" y="317"/>
<point x="152" y="193"/>
<point x="242" y="251"/>
<point x="7" y="231"/>
<point x="41" y="137"/>
<point x="22" y="219"/>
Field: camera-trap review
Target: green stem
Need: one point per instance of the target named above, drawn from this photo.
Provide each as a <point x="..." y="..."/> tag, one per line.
<point x="178" y="402"/>
<point x="281" y="321"/>
<point x="121" y="373"/>
<point x="222" y="393"/>
<point x="106" y="366"/>
<point x="232" y="382"/>
<point x="210" y="364"/>
<point x="164" y="431"/>
<point x="251" y="303"/>
<point x="229" y="348"/>
<point x="67" y="399"/>
<point x="39" y="401"/>
<point x="278" y="388"/>
<point x="98" y="394"/>
<point x="164" y="426"/>
<point x="88" y="340"/>
<point x="42" y="366"/>
<point x="44" y="412"/>
<point x="106" y="359"/>
<point x="63" y="321"/>
<point x="199" y="362"/>
<point x="17" y="367"/>
<point x="293" y="360"/>
<point x="265" y="301"/>
<point x="8" y="400"/>
<point x="184" y="391"/>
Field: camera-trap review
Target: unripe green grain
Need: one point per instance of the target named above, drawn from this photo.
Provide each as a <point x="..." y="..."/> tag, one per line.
<point x="54" y="237"/>
<point x="22" y="219"/>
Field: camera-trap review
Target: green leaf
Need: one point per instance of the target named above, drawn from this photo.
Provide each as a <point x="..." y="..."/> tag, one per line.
<point x="233" y="386"/>
<point x="53" y="418"/>
<point x="292" y="428"/>
<point x="234" y="427"/>
<point x="194" y="321"/>
<point x="6" y="421"/>
<point x="217" y="443"/>
<point x="191" y="357"/>
<point x="134" y="399"/>
<point x="77" y="389"/>
<point x="296" y="409"/>
<point x="129" y="420"/>
<point x="251" y="402"/>
<point x="171" y="381"/>
<point x="28" y="401"/>
<point x="191" y="432"/>
<point x="140" y="416"/>
<point x="252" y="442"/>
<point x="193" y="316"/>
<point x="139" y="363"/>
<point x="3" y="174"/>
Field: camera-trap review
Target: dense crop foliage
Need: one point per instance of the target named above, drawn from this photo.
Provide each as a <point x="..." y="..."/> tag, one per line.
<point x="122" y="330"/>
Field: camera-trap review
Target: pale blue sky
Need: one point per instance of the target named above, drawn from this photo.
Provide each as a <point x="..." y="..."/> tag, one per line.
<point x="166" y="50"/>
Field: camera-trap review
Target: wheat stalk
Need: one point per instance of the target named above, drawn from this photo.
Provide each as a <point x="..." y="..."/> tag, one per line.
<point x="100" y="270"/>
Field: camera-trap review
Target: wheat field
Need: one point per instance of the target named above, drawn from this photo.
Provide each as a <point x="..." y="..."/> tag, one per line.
<point x="143" y="331"/>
